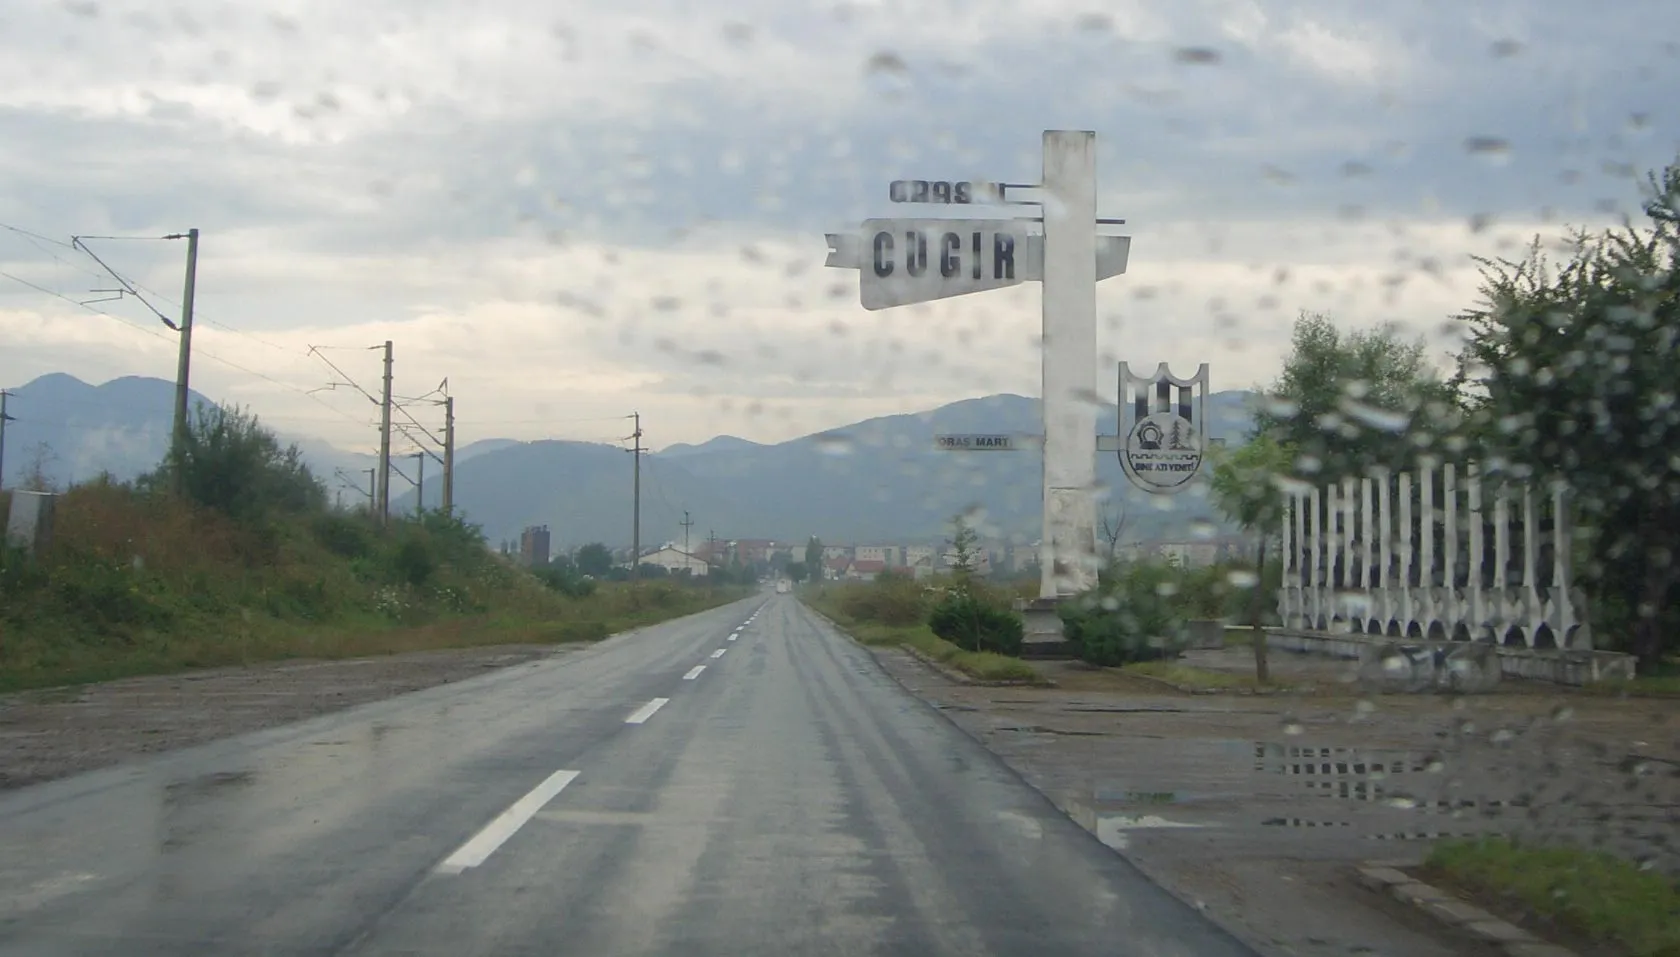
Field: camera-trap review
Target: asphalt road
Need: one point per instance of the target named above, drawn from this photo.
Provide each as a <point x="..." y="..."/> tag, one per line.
<point x="743" y="781"/>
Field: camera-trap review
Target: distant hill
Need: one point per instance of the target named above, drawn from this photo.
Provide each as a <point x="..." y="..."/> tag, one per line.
<point x="77" y="430"/>
<point x="880" y="480"/>
<point x="723" y="443"/>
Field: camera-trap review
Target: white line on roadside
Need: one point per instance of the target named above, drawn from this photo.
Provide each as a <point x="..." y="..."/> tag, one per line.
<point x="719" y="653"/>
<point x="646" y="711"/>
<point x="694" y="672"/>
<point x="495" y="834"/>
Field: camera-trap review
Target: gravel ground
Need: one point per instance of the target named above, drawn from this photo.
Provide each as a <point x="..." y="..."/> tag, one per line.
<point x="57" y="732"/>
<point x="1258" y="807"/>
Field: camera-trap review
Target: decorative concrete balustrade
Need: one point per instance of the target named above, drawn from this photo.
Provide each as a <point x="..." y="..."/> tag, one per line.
<point x="1439" y="554"/>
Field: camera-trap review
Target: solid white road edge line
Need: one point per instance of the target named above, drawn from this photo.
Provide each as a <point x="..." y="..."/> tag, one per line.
<point x="719" y="653"/>
<point x="694" y="672"/>
<point x="477" y="850"/>
<point x="646" y="711"/>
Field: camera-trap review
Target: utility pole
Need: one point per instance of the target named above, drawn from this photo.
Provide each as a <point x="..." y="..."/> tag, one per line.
<point x="449" y="455"/>
<point x="420" y="484"/>
<point x="636" y="506"/>
<point x="373" y="494"/>
<point x="382" y="507"/>
<point x="184" y="364"/>
<point x="4" y="418"/>
<point x="687" y="523"/>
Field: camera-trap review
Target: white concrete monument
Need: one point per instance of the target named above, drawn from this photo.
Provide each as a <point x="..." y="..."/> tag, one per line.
<point x="906" y="261"/>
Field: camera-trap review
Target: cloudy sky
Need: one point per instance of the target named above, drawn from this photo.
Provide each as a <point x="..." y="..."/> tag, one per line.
<point x="573" y="210"/>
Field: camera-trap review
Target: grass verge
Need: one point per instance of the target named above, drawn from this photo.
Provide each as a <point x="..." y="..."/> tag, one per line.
<point x="250" y="639"/>
<point x="1193" y="679"/>
<point x="979" y="665"/>
<point x="1597" y="896"/>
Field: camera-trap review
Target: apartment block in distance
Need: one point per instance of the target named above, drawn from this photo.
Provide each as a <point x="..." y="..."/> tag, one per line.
<point x="533" y="546"/>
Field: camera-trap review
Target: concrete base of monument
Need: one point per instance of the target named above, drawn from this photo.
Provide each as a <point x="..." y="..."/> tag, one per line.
<point x="1423" y="665"/>
<point x="1043" y="635"/>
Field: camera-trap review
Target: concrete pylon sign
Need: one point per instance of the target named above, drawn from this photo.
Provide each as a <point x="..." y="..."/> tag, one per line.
<point x="905" y="261"/>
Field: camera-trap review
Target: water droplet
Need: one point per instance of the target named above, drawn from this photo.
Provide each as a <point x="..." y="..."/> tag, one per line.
<point x="1110" y="603"/>
<point x="1203" y="529"/>
<point x="1376" y="418"/>
<point x="834" y="443"/>
<point x="1562" y="713"/>
<point x="1395" y="664"/>
<point x="1203" y="56"/>
<point x="1501" y="49"/>
<point x="1293" y="727"/>
<point x="1467" y="727"/>
<point x="1364" y="707"/>
<point x="1094" y="22"/>
<point x="1242" y="578"/>
<point x="886" y="61"/>
<point x="1355" y="168"/>
<point x="1504" y="736"/>
<point x="1494" y="149"/>
<point x="1401" y="801"/>
<point x="1434" y="765"/>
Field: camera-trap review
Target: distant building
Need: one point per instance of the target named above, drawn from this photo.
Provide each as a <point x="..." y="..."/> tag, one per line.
<point x="886" y="554"/>
<point x="675" y="560"/>
<point x="1197" y="554"/>
<point x="533" y="546"/>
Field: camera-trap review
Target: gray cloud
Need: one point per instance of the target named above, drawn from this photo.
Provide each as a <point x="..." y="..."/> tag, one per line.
<point x="379" y="164"/>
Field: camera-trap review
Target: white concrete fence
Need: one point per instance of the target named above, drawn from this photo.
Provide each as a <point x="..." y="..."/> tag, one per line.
<point x="1439" y="554"/>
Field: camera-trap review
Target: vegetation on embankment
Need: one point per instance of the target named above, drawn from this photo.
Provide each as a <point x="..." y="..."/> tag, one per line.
<point x="1590" y="894"/>
<point x="248" y="563"/>
<point x="893" y="611"/>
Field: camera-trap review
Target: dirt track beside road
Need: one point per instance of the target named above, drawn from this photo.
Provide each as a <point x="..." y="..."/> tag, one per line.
<point x="57" y="732"/>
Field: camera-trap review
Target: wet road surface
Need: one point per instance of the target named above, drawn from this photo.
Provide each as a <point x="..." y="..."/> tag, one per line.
<point x="742" y="781"/>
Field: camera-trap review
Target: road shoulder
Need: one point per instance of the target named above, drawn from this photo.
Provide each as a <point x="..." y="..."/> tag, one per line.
<point x="1071" y="743"/>
<point x="53" y="733"/>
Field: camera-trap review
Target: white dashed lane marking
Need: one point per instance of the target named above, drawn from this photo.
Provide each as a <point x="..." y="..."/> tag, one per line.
<point x="719" y="653"/>
<point x="640" y="715"/>
<point x="483" y="844"/>
<point x="694" y="672"/>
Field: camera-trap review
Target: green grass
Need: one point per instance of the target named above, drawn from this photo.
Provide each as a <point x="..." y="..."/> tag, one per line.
<point x="137" y="584"/>
<point x="980" y="665"/>
<point x="1199" y="679"/>
<point x="1596" y="895"/>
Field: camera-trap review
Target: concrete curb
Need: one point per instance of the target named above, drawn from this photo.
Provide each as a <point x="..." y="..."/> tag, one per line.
<point x="1387" y="878"/>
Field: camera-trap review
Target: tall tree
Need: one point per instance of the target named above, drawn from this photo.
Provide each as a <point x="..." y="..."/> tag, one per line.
<point x="1248" y="487"/>
<point x="594" y="559"/>
<point x="814" y="558"/>
<point x="1572" y="373"/>
<point x="1350" y="402"/>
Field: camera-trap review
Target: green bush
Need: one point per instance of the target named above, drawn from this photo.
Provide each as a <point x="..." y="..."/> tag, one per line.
<point x="1134" y="614"/>
<point x="413" y="561"/>
<point x="889" y="600"/>
<point x="228" y="462"/>
<point x="344" y="535"/>
<point x="974" y="623"/>
<point x="566" y="580"/>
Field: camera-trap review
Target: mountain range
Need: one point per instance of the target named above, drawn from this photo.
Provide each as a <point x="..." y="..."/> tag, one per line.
<point x="881" y="480"/>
